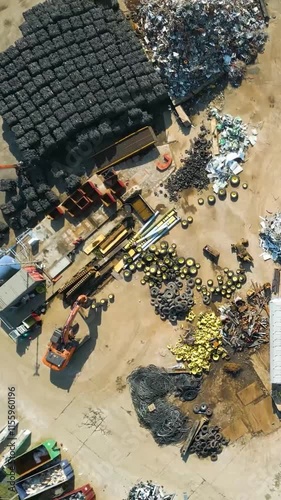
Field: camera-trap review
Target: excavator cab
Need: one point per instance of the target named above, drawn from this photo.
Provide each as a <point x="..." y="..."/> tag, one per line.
<point x="62" y="344"/>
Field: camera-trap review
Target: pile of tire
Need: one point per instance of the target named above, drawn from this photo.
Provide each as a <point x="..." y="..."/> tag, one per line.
<point x="209" y="442"/>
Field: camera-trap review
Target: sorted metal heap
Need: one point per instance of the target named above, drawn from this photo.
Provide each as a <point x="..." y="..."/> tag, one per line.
<point x="245" y="323"/>
<point x="148" y="491"/>
<point x="233" y="142"/>
<point x="201" y="345"/>
<point x="193" y="171"/>
<point x="196" y="41"/>
<point x="270" y="236"/>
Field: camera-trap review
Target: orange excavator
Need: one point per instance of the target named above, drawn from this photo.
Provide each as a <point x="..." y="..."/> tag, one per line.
<point x="11" y="165"/>
<point x="63" y="344"/>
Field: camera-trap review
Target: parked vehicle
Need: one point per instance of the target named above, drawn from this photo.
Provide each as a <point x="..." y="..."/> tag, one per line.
<point x="26" y="327"/>
<point x="52" y="480"/>
<point x="36" y="459"/>
<point x="85" y="492"/>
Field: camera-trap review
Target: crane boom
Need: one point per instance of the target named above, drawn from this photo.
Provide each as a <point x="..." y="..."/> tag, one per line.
<point x="82" y="299"/>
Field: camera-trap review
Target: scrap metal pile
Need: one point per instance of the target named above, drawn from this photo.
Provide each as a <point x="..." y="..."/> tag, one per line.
<point x="193" y="171"/>
<point x="270" y="236"/>
<point x="78" y="75"/>
<point x="148" y="491"/>
<point x="233" y="143"/>
<point x="150" y="386"/>
<point x="245" y="324"/>
<point x="209" y="442"/>
<point x="194" y="42"/>
<point x="201" y="345"/>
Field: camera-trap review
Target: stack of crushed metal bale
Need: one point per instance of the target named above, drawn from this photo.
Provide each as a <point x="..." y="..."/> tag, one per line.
<point x="270" y="237"/>
<point x="195" y="42"/>
<point x="148" y="491"/>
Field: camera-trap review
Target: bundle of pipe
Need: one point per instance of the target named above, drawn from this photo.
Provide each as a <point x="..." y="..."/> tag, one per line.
<point x="148" y="235"/>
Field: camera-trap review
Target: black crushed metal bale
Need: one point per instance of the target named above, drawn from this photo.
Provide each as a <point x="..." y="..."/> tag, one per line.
<point x="69" y="109"/>
<point x="26" y="29"/>
<point x="102" y="56"/>
<point x="85" y="47"/>
<point x="48" y="47"/>
<point x="45" y="63"/>
<point x="86" y="19"/>
<point x="76" y="77"/>
<point x="116" y="79"/>
<point x="42" y="129"/>
<point x="47" y="94"/>
<point x="32" y="138"/>
<point x="83" y="89"/>
<point x="36" y="117"/>
<point x="109" y="67"/>
<point x="10" y="118"/>
<point x="87" y="117"/>
<point x="52" y="123"/>
<point x="106" y="82"/>
<point x="45" y="204"/>
<point x="55" y="60"/>
<point x="64" y="25"/>
<point x="45" y="111"/>
<point x="63" y="98"/>
<point x="36" y="206"/>
<point x="12" y="52"/>
<point x="27" y="124"/>
<point x="28" y="56"/>
<point x="52" y="197"/>
<point x="75" y="50"/>
<point x="59" y="42"/>
<point x="42" y="188"/>
<point x="67" y="127"/>
<point x="15" y="84"/>
<point x="72" y="183"/>
<point x="24" y="76"/>
<point x="60" y="73"/>
<point x="18" y="201"/>
<point x="91" y="32"/>
<point x="28" y="215"/>
<point x="86" y="74"/>
<point x="14" y="223"/>
<point x="38" y="53"/>
<point x="8" y="185"/>
<point x="53" y="30"/>
<point x="59" y="134"/>
<point x="38" y="99"/>
<point x="6" y="89"/>
<point x="80" y="105"/>
<point x="101" y="27"/>
<point x="80" y="62"/>
<point x="29" y="194"/>
<point x="101" y="96"/>
<point x="49" y="76"/>
<point x="76" y="22"/>
<point x="67" y="84"/>
<point x="19" y="112"/>
<point x="8" y="208"/>
<point x="63" y="54"/>
<point x="76" y="121"/>
<point x="91" y="60"/>
<point x="79" y="35"/>
<point x="60" y="114"/>
<point x="30" y="88"/>
<point x="113" y="51"/>
<point x="54" y="103"/>
<point x="49" y="143"/>
<point x="42" y="36"/>
<point x="22" y="96"/>
<point x="68" y="38"/>
<point x="18" y="130"/>
<point x="11" y="70"/>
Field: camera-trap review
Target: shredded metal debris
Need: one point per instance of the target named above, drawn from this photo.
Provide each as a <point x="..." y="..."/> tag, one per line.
<point x="270" y="237"/>
<point x="194" y="42"/>
<point x="148" y="491"/>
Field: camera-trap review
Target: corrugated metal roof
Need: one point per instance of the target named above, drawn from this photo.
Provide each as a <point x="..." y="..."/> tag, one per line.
<point x="14" y="288"/>
<point x="275" y="341"/>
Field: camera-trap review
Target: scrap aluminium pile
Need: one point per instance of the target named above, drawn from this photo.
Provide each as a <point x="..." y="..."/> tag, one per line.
<point x="233" y="141"/>
<point x="194" y="42"/>
<point x="77" y="76"/>
<point x="148" y="491"/>
<point x="150" y="386"/>
<point x="270" y="236"/>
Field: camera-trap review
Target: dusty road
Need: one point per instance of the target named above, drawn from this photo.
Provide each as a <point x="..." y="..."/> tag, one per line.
<point x="85" y="409"/>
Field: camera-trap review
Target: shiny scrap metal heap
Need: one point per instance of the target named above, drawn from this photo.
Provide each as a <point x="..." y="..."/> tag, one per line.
<point x="148" y="491"/>
<point x="195" y="42"/>
<point x="270" y="236"/>
<point x="245" y="323"/>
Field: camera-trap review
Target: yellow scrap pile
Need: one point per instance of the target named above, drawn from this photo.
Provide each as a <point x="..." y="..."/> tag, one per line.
<point x="205" y="347"/>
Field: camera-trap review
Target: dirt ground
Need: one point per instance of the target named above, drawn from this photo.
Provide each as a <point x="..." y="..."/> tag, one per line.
<point x="88" y="408"/>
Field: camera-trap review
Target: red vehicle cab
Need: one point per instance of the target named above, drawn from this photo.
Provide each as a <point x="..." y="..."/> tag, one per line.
<point x="85" y="492"/>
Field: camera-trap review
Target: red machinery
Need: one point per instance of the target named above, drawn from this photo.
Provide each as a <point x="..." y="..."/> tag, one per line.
<point x="62" y="344"/>
<point x="85" y="492"/>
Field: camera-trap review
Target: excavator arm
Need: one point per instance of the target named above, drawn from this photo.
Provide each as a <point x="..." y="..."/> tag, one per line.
<point x="67" y="329"/>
